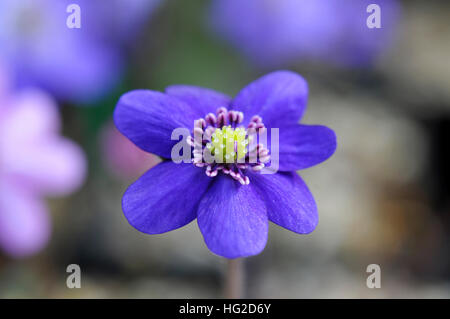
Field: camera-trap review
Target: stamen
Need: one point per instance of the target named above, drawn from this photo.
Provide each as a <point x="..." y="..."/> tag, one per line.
<point x="230" y="145"/>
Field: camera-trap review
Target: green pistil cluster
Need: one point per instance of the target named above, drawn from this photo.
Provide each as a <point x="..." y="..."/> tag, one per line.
<point x="228" y="145"/>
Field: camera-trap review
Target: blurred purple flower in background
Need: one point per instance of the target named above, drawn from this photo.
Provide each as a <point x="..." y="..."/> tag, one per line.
<point x="232" y="202"/>
<point x="73" y="64"/>
<point x="122" y="19"/>
<point x="124" y="159"/>
<point x="279" y="32"/>
<point x="35" y="161"/>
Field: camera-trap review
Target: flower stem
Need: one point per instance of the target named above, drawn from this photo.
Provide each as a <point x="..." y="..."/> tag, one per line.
<point x="234" y="284"/>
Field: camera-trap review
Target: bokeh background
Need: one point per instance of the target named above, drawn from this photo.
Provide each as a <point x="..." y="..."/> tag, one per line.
<point x="383" y="198"/>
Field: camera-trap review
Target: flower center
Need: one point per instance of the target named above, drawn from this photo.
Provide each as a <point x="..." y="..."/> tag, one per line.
<point x="222" y="145"/>
<point x="228" y="144"/>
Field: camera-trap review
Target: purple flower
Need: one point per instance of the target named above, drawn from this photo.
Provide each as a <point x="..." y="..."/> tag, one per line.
<point x="74" y="64"/>
<point x="233" y="202"/>
<point x="34" y="162"/>
<point x="279" y="32"/>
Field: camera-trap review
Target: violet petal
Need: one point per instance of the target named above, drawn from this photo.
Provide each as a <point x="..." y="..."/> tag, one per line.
<point x="233" y="219"/>
<point x="165" y="198"/>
